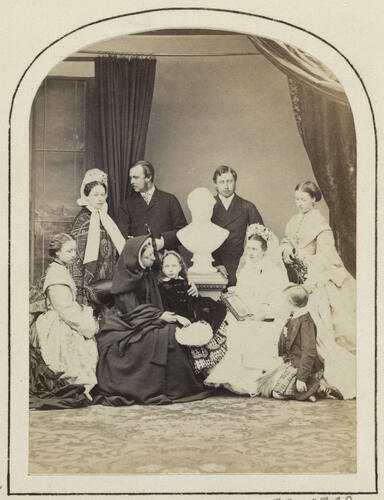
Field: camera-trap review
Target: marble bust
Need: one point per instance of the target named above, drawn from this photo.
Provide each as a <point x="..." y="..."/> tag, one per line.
<point x="201" y="236"/>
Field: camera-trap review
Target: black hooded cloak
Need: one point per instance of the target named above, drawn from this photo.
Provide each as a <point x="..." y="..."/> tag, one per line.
<point x="140" y="360"/>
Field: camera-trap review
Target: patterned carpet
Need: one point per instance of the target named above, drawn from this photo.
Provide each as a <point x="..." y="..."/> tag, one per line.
<point x="222" y="434"/>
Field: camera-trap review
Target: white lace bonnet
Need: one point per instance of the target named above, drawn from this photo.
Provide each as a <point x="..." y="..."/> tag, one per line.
<point x="94" y="174"/>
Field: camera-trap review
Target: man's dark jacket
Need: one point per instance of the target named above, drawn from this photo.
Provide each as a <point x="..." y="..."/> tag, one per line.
<point x="239" y="215"/>
<point x="164" y="216"/>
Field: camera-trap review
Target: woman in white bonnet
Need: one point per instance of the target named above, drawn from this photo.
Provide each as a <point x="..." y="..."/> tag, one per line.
<point x="98" y="238"/>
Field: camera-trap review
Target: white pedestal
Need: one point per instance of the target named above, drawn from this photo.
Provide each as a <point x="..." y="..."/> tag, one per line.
<point x="202" y="264"/>
<point x="209" y="284"/>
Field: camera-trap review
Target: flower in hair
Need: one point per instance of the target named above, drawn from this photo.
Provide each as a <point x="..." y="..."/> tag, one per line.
<point x="260" y="230"/>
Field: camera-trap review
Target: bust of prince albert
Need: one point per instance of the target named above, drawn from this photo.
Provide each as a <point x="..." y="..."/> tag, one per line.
<point x="201" y="236"/>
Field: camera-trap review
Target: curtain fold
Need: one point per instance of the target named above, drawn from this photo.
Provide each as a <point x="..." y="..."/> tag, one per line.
<point x="328" y="134"/>
<point x="325" y="123"/>
<point x="301" y="66"/>
<point x="123" y="95"/>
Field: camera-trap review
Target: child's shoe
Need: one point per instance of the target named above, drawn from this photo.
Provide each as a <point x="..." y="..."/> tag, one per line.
<point x="328" y="391"/>
<point x="276" y="395"/>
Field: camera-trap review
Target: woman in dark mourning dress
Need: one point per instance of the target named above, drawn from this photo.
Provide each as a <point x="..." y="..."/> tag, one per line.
<point x="140" y="360"/>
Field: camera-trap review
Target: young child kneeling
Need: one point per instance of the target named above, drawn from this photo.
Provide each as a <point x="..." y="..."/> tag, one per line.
<point x="300" y="375"/>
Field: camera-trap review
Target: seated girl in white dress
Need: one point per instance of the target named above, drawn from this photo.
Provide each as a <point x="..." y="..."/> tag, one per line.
<point x="252" y="343"/>
<point x="65" y="333"/>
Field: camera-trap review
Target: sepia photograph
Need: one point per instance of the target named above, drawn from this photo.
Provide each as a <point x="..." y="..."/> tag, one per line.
<point x="124" y="135"/>
<point x="193" y="300"/>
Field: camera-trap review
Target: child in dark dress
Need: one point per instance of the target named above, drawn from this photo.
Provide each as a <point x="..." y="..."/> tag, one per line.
<point x="196" y="315"/>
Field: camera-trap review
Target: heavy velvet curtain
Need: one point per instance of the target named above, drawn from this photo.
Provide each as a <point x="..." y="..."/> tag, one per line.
<point x="302" y="67"/>
<point x="326" y="126"/>
<point x="331" y="146"/>
<point x="123" y="98"/>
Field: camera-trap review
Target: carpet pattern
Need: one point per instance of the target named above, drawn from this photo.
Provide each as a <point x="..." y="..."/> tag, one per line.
<point x="222" y="434"/>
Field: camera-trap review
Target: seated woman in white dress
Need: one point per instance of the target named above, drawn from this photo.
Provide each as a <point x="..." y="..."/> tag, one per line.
<point x="309" y="253"/>
<point x="65" y="332"/>
<point x="252" y="343"/>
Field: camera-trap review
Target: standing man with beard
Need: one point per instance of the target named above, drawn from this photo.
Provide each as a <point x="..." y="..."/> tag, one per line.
<point x="233" y="213"/>
<point x="149" y="208"/>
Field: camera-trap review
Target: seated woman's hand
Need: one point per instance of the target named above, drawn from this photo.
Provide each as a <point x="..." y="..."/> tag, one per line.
<point x="258" y="316"/>
<point x="192" y="290"/>
<point x="159" y="243"/>
<point x="301" y="386"/>
<point x="306" y="260"/>
<point x="183" y="321"/>
<point x="322" y="280"/>
<point x="222" y="270"/>
<point x="310" y="284"/>
<point x="168" y="317"/>
<point x="89" y="332"/>
<point x="258" y="313"/>
<point x="288" y="255"/>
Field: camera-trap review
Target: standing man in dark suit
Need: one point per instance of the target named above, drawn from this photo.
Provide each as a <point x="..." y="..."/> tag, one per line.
<point x="149" y="208"/>
<point x="235" y="214"/>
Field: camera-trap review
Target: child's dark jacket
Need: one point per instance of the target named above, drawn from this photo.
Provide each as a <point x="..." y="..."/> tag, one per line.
<point x="297" y="344"/>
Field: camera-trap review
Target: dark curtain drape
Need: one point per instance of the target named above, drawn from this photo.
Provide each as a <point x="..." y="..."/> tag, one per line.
<point x="302" y="67"/>
<point x="123" y="97"/>
<point x="331" y="146"/>
<point x="326" y="126"/>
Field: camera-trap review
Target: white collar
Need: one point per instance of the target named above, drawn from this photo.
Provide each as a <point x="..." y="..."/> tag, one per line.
<point x="300" y="312"/>
<point x="149" y="192"/>
<point x="169" y="279"/>
<point x="226" y="201"/>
